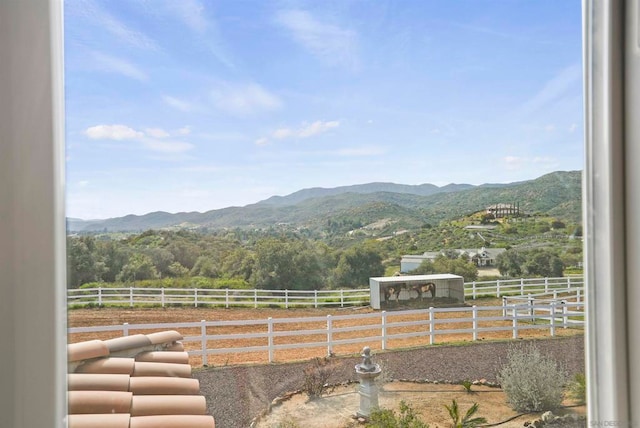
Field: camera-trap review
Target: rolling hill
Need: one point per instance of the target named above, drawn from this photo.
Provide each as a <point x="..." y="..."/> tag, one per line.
<point x="557" y="194"/>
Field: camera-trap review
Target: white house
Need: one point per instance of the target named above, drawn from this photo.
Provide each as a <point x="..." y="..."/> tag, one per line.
<point x="481" y="257"/>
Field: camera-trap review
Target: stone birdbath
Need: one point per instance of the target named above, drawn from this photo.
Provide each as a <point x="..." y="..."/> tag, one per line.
<point x="367" y="372"/>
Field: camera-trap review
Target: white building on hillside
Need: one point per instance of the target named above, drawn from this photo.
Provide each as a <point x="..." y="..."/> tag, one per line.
<point x="481" y="257"/>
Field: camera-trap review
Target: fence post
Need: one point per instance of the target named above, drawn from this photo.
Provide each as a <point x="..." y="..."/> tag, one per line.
<point x="564" y="314"/>
<point x="431" y="327"/>
<point x="329" y="336"/>
<point x="568" y="282"/>
<point x="546" y="285"/>
<point x="125" y="329"/>
<point x="341" y="298"/>
<point x="315" y="298"/>
<point x="578" y="295"/>
<point x="475" y="322"/>
<point x="504" y="307"/>
<point x="203" y="342"/>
<point x="531" y="309"/>
<point x="270" y="336"/>
<point x="384" y="329"/>
<point x="255" y="298"/>
<point x="555" y="294"/>
<point x="521" y="287"/>
<point x="162" y="296"/>
<point x="473" y="290"/>
<point x="514" y="315"/>
<point x="286" y="299"/>
<point x="99" y="296"/>
<point x="498" y="288"/>
<point x="131" y="297"/>
<point x="226" y="298"/>
<point x="195" y="297"/>
<point x="552" y="319"/>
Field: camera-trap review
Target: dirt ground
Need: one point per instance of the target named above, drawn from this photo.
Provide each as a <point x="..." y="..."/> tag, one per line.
<point x="427" y="399"/>
<point x="114" y="316"/>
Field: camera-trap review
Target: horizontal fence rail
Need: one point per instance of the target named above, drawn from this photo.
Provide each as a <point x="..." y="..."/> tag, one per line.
<point x="331" y="331"/>
<point x="132" y="296"/>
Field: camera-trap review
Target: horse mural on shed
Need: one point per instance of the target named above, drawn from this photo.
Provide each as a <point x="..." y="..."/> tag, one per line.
<point x="415" y="290"/>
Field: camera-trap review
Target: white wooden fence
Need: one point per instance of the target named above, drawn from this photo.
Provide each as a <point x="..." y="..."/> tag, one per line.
<point x="132" y="296"/>
<point x="375" y="327"/>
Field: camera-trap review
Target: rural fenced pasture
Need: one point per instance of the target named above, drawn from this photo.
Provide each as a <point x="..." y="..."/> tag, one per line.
<point x="226" y="298"/>
<point x="282" y="337"/>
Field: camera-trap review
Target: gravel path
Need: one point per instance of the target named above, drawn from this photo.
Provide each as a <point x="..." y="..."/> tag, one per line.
<point x="235" y="395"/>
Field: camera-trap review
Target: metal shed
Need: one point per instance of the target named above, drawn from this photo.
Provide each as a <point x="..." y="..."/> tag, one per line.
<point x="410" y="287"/>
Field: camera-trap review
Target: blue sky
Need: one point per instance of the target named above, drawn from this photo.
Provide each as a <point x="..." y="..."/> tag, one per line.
<point x="188" y="105"/>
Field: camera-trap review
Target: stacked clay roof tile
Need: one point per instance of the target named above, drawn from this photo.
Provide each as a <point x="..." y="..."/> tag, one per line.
<point x="135" y="381"/>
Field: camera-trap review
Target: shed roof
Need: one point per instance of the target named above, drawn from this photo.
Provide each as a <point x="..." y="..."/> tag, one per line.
<point x="416" y="278"/>
<point x="134" y="381"/>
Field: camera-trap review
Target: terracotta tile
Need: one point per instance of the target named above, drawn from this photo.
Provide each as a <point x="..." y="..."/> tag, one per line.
<point x="172" y="421"/>
<point x="164" y="357"/>
<point x="98" y="421"/>
<point x="164" y="386"/>
<point x="138" y="381"/>
<point x="87" y="350"/>
<point x="149" y="405"/>
<point x="142" y="368"/>
<point x="89" y="402"/>
<point x="98" y="382"/>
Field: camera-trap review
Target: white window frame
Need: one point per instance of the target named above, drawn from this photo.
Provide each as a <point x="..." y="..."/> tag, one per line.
<point x="32" y="221"/>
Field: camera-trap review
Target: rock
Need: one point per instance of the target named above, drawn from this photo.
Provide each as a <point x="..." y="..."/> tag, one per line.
<point x="547" y="417"/>
<point x="538" y="423"/>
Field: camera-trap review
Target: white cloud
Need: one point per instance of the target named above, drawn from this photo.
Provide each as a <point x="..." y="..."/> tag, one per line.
<point x="113" y="132"/>
<point x="185" y="130"/>
<point x="328" y="42"/>
<point x="262" y="141"/>
<point x="513" y="162"/>
<point x="306" y="130"/>
<point x="157" y="132"/>
<point x="153" y="138"/>
<point x="83" y="183"/>
<point x="191" y="12"/>
<point x="112" y="64"/>
<point x="554" y="89"/>
<point x="245" y="99"/>
<point x="177" y="103"/>
<point x="573" y="127"/>
<point x="90" y="11"/>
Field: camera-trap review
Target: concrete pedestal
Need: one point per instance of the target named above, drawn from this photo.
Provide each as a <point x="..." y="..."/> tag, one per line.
<point x="367" y="373"/>
<point x="368" y="391"/>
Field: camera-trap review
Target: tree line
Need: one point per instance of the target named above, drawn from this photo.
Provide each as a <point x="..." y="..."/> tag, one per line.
<point x="237" y="259"/>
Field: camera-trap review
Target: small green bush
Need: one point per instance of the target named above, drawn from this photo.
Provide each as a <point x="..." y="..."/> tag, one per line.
<point x="577" y="389"/>
<point x="532" y="382"/>
<point x="386" y="418"/>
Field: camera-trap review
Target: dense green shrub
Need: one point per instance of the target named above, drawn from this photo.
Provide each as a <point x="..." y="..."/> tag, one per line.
<point x="385" y="418"/>
<point x="532" y="382"/>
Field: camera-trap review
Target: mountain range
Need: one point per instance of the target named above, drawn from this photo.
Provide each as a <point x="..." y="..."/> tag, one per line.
<point x="408" y="206"/>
